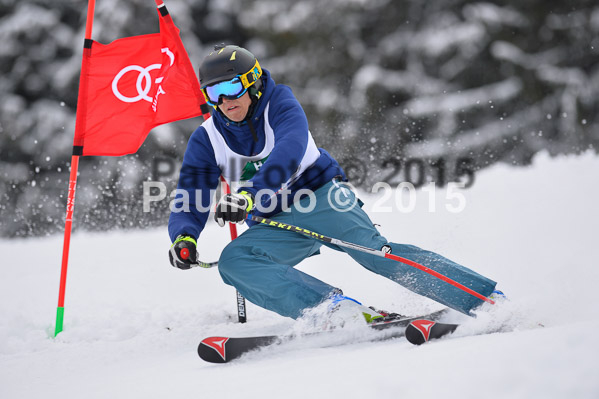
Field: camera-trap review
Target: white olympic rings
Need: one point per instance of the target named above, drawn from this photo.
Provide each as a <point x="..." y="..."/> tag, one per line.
<point x="142" y="79"/>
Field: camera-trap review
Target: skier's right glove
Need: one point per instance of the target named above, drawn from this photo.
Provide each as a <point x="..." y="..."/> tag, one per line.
<point x="184" y="252"/>
<point x="233" y="208"/>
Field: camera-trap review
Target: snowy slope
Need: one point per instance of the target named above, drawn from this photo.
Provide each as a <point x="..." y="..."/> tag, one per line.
<point x="132" y="322"/>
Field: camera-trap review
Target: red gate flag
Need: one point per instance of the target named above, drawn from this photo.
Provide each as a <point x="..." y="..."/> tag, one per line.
<point x="126" y="88"/>
<point x="132" y="85"/>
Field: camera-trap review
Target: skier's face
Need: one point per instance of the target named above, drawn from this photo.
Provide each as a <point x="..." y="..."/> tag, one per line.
<point x="237" y="109"/>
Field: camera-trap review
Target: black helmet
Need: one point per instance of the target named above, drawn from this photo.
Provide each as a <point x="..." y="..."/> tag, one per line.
<point x="227" y="62"/>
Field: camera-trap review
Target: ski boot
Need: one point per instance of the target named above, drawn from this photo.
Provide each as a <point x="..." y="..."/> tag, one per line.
<point x="343" y="310"/>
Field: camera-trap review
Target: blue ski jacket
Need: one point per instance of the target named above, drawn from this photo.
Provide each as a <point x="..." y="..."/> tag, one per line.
<point x="199" y="175"/>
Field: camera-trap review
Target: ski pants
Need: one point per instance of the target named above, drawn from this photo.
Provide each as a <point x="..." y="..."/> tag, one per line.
<point x="260" y="262"/>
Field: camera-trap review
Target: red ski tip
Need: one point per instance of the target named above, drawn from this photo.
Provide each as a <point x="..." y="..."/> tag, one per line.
<point x="423" y="327"/>
<point x="217" y="344"/>
<point x="421" y="331"/>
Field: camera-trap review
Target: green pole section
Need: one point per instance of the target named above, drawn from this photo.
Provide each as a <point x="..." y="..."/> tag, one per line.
<point x="59" y="320"/>
<point x="77" y="151"/>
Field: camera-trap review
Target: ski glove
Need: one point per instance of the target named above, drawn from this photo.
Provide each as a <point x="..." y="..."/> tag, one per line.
<point x="233" y="208"/>
<point x="183" y="252"/>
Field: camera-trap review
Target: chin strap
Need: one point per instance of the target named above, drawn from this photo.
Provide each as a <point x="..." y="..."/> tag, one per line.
<point x="251" y="111"/>
<point x="253" y="130"/>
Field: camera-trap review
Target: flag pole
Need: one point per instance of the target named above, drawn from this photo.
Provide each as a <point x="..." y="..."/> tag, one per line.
<point x="77" y="151"/>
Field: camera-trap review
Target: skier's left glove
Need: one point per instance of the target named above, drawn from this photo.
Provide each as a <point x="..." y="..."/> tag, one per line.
<point x="183" y="252"/>
<point x="233" y="208"/>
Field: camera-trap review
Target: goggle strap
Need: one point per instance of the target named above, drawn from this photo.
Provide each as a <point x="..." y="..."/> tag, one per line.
<point x="253" y="73"/>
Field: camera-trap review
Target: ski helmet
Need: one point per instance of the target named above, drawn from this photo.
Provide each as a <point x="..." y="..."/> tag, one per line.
<point x="229" y="71"/>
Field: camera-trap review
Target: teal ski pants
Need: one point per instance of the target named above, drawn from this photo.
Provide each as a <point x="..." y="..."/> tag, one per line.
<point x="260" y="262"/>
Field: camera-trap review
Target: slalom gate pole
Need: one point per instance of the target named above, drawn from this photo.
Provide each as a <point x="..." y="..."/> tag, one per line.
<point x="66" y="244"/>
<point x="372" y="251"/>
<point x="91" y="4"/>
<point x="240" y="300"/>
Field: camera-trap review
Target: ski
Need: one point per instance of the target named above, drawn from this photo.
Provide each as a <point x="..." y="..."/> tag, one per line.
<point x="219" y="349"/>
<point x="423" y="330"/>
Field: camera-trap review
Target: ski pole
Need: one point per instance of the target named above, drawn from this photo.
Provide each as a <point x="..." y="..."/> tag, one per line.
<point x="356" y="247"/>
<point x="205" y="265"/>
<point x="345" y="244"/>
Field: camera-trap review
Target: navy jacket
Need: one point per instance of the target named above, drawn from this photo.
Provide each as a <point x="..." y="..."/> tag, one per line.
<point x="200" y="173"/>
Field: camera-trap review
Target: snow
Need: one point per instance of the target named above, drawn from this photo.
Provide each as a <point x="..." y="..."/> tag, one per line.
<point x="374" y="75"/>
<point x="435" y="42"/>
<point x="494" y="15"/>
<point x="496" y="92"/>
<point x="132" y="322"/>
<point x="471" y="141"/>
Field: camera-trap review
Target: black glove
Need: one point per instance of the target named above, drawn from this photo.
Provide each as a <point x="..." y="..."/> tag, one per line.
<point x="233" y="208"/>
<point x="183" y="253"/>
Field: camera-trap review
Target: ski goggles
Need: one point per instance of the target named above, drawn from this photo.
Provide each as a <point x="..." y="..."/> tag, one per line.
<point x="232" y="89"/>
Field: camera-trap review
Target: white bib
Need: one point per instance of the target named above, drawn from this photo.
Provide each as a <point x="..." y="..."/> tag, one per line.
<point x="237" y="168"/>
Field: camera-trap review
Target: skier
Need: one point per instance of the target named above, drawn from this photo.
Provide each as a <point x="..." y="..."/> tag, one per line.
<point x="258" y="137"/>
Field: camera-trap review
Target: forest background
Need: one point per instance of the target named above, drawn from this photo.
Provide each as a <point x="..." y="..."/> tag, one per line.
<point x="396" y="90"/>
